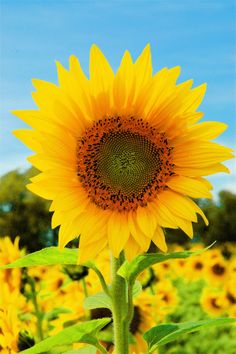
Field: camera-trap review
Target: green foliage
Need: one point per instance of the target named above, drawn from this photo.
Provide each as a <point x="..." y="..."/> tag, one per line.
<point x="130" y="270"/>
<point x="86" y="350"/>
<point x="99" y="300"/>
<point x="168" y="332"/>
<point x="46" y="256"/>
<point x="80" y="333"/>
<point x="213" y="341"/>
<point x="102" y="300"/>
<point x="23" y="213"/>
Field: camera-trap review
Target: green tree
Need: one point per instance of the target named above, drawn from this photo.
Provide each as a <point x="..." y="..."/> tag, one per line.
<point x="23" y="213"/>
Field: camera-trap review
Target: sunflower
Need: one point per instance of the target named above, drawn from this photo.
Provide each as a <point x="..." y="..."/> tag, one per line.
<point x="195" y="267"/>
<point x="121" y="154"/>
<point x="212" y="302"/>
<point x="9" y="252"/>
<point x="216" y="271"/>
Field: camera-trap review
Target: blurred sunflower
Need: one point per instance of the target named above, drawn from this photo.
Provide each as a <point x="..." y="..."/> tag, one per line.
<point x="216" y="271"/>
<point x="213" y="302"/>
<point x="9" y="252"/>
<point x="120" y="154"/>
<point x="195" y="268"/>
<point x="9" y="330"/>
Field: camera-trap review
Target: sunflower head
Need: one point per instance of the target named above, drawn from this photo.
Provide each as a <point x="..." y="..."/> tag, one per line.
<point x="213" y="302"/>
<point x="120" y="154"/>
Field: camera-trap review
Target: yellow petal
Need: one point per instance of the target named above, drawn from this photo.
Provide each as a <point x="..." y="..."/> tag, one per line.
<point x="162" y="86"/>
<point x="30" y="138"/>
<point x="118" y="232"/>
<point x="163" y="215"/>
<point x="72" y="199"/>
<point x="143" y="70"/>
<point x="198" y="210"/>
<point x="91" y="251"/>
<point x="206" y="130"/>
<point x="189" y="186"/>
<point x="184" y="225"/>
<point x="204" y="171"/>
<point x="146" y="221"/>
<point x="101" y="73"/>
<point x="137" y="234"/>
<point x="194" y="98"/>
<point x="174" y="220"/>
<point x="199" y="154"/>
<point x="178" y="205"/>
<point x="124" y="85"/>
<point x="132" y="248"/>
<point x="159" y="239"/>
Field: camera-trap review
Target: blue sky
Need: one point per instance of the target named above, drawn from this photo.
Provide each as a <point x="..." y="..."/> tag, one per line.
<point x="197" y="35"/>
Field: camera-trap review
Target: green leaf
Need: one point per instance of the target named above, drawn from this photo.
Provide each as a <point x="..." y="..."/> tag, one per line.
<point x="85" y="350"/>
<point x="46" y="256"/>
<point x="99" y="300"/>
<point x="80" y="333"/>
<point x="130" y="270"/>
<point x="137" y="288"/>
<point x="51" y="315"/>
<point x="102" y="300"/>
<point x="165" y="333"/>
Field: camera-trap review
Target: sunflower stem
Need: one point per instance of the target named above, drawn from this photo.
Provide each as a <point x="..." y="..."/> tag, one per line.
<point x="130" y="309"/>
<point x="37" y="312"/>
<point x="119" y="308"/>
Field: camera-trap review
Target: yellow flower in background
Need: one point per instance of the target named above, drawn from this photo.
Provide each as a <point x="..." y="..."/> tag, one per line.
<point x="216" y="271"/>
<point x="195" y="267"/>
<point x="121" y="154"/>
<point x="212" y="302"/>
<point x="9" y="330"/>
<point x="9" y="252"/>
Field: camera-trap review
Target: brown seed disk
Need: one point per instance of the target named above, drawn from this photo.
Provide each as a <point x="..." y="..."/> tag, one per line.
<point x="123" y="162"/>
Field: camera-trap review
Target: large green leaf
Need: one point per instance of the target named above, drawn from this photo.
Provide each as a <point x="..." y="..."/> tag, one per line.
<point x="85" y="350"/>
<point x="46" y="256"/>
<point x="130" y="270"/>
<point x="165" y="333"/>
<point x="99" y="300"/>
<point x="80" y="333"/>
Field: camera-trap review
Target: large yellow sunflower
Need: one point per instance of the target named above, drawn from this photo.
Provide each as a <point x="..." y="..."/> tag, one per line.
<point x="121" y="154"/>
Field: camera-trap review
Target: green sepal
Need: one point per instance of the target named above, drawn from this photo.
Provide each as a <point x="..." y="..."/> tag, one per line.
<point x="80" y="333"/>
<point x="130" y="270"/>
<point x="168" y="332"/>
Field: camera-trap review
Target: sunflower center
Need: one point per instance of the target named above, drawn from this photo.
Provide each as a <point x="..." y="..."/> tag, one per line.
<point x="123" y="163"/>
<point x="127" y="162"/>
<point x="218" y="269"/>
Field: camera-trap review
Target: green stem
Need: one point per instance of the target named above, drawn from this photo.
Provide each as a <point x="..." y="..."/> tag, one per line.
<point x="130" y="310"/>
<point x="85" y="287"/>
<point x="38" y="313"/>
<point x="119" y="308"/>
<point x="101" y="348"/>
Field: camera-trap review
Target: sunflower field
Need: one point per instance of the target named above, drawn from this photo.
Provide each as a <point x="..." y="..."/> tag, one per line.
<point x="40" y="301"/>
